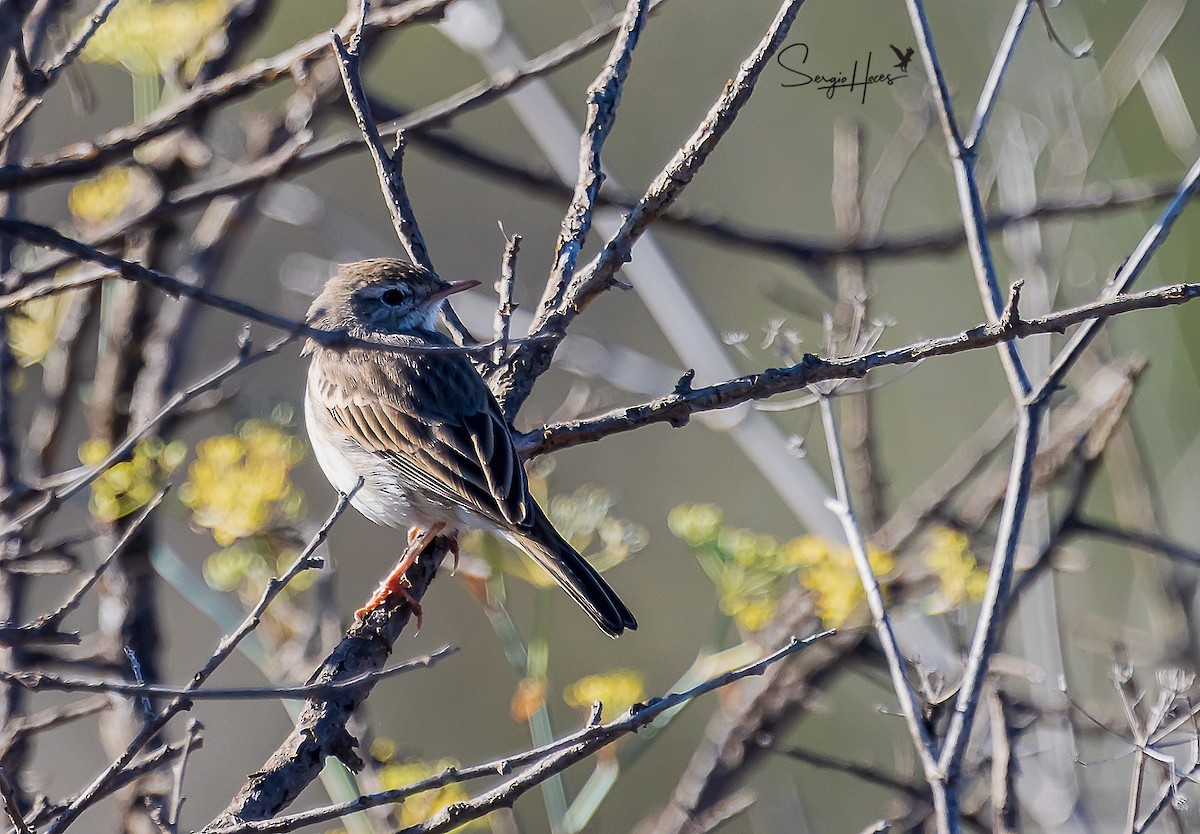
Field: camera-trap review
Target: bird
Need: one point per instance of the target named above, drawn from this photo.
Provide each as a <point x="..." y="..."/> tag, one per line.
<point x="424" y="432"/>
<point x="904" y="57"/>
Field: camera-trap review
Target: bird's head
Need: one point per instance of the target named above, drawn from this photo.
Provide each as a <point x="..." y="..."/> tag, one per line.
<point x="382" y="296"/>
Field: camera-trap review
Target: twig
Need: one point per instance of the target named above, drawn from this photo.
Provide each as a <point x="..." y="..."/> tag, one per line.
<point x="991" y="87"/>
<point x="40" y="680"/>
<point x="870" y="775"/>
<point x="1122" y="281"/>
<point x="52" y="620"/>
<point x="603" y="99"/>
<point x="49" y="719"/>
<point x="677" y="408"/>
<point x="194" y="729"/>
<point x="387" y="166"/>
<point x="11" y="807"/>
<point x="1166" y="795"/>
<point x="1169" y="548"/>
<point x="514" y="383"/>
<point x="1005" y="810"/>
<point x="102" y="783"/>
<point x="923" y="740"/>
<point x="45" y="76"/>
<point x="150" y="763"/>
<point x="987" y="629"/>
<point x="504" y="290"/>
<point x="87" y="157"/>
<point x="970" y="204"/>
<point x="539" y="764"/>
<point x="174" y="287"/>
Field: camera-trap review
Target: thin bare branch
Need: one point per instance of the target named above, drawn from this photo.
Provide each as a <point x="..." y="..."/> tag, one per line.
<point x="539" y="764"/>
<point x="910" y="705"/>
<point x="514" y="382"/>
<point x="970" y="203"/>
<point x="677" y="408"/>
<point x="44" y="77"/>
<point x="41" y="680"/>
<point x="603" y="99"/>
<point x="11" y="807"/>
<point x="387" y="166"/>
<point x="105" y="781"/>
<point x="504" y="290"/>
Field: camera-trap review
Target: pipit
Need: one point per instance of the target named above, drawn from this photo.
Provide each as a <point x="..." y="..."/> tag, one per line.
<point x="424" y="432"/>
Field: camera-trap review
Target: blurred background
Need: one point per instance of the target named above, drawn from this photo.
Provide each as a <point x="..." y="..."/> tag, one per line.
<point x="705" y="528"/>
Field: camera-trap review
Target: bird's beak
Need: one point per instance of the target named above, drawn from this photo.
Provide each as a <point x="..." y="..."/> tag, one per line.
<point x="451" y="288"/>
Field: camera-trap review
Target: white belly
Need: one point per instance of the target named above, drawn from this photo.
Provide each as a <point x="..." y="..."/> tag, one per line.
<point x="382" y="498"/>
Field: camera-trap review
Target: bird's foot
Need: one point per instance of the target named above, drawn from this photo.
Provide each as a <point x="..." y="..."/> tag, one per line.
<point x="397" y="585"/>
<point x="396" y="582"/>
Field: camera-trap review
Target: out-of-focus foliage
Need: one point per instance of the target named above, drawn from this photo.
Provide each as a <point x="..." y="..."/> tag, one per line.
<point x="617" y="690"/>
<point x="749" y="568"/>
<point x="153" y="38"/>
<point x="584" y="518"/>
<point x="124" y="487"/>
<point x="240" y="484"/>
<point x="102" y="198"/>
<point x="529" y="697"/>
<point x="398" y="774"/>
<point x="960" y="578"/>
<point x="31" y="332"/>
<point x="240" y="488"/>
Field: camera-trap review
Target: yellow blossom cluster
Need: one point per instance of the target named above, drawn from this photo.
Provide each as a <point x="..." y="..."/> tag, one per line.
<point x="130" y="484"/>
<point x="32" y="331"/>
<point x="618" y="690"/>
<point x="102" y="198"/>
<point x="420" y="807"/>
<point x="151" y="38"/>
<point x="240" y="485"/>
<point x="749" y="568"/>
<point x="828" y="570"/>
<point x="960" y="578"/>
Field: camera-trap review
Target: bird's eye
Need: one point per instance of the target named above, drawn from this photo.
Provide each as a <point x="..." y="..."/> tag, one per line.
<point x="392" y="297"/>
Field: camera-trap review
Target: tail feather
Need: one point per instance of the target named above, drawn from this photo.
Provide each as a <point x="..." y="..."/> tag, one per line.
<point x="579" y="579"/>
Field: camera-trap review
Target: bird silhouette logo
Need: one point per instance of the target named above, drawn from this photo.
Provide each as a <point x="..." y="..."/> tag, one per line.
<point x="904" y="57"/>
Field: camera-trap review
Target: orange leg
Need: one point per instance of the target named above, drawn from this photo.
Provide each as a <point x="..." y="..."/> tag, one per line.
<point x="394" y="582"/>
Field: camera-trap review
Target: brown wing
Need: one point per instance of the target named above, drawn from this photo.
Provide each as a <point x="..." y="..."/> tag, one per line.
<point x="433" y="417"/>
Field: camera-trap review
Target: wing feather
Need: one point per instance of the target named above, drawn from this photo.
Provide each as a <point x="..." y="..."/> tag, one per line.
<point x="433" y="417"/>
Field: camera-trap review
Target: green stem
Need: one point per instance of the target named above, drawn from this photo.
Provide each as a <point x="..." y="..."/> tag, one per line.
<point x="553" y="791"/>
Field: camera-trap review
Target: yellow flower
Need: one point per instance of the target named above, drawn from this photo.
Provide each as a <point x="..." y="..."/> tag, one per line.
<point x="383" y="750"/>
<point x="151" y="38"/>
<point x="836" y="582"/>
<point x="240" y="485"/>
<point x="960" y="578"/>
<point x="32" y="331"/>
<point x="102" y="198"/>
<point x="416" y="809"/>
<point x="618" y="690"/>
<point x="696" y="524"/>
<point x="129" y="485"/>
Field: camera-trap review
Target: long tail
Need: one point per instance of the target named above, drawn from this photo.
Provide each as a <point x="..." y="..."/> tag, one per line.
<point x="576" y="576"/>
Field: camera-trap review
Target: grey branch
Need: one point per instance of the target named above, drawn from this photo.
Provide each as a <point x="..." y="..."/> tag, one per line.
<point x="676" y="408"/>
<point x="538" y="765"/>
<point x="40" y="680"/>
